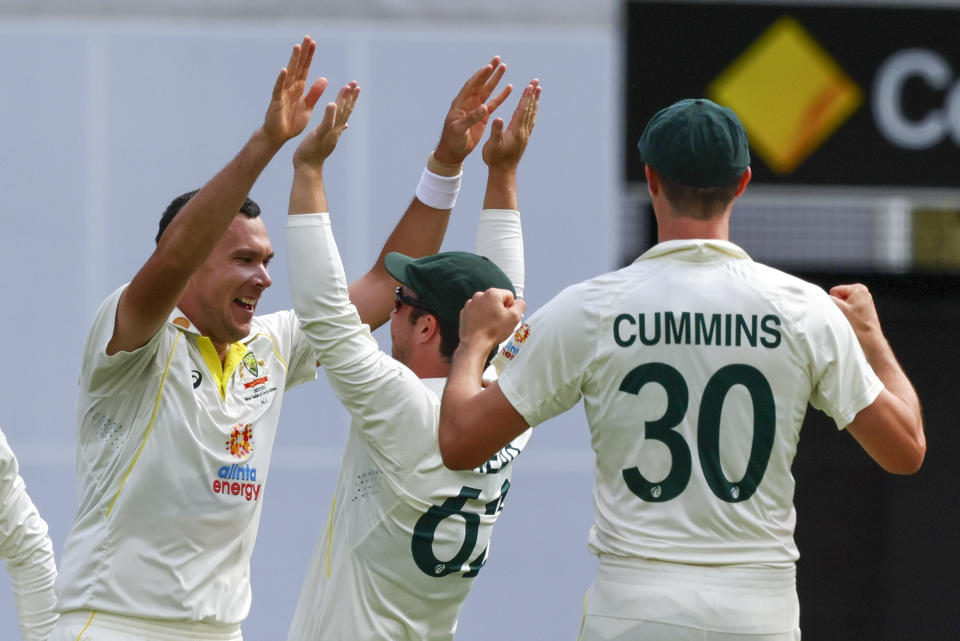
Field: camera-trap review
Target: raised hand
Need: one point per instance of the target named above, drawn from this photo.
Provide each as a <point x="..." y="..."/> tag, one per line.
<point x="321" y="142"/>
<point x="290" y="108"/>
<point x="504" y="148"/>
<point x="469" y="112"/>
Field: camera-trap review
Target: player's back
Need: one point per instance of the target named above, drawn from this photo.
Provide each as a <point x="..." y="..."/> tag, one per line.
<point x="696" y="366"/>
<point x="695" y="402"/>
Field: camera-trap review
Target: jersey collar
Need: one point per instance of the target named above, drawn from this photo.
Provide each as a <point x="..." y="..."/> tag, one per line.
<point x="178" y="318"/>
<point x="695" y="250"/>
<point x="221" y="373"/>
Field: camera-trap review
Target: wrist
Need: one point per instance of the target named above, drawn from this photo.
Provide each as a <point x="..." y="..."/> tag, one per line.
<point x="502" y="177"/>
<point x="308" y="169"/>
<point x="476" y="347"/>
<point x="443" y="166"/>
<point x="262" y="138"/>
<point x="874" y="345"/>
<point x="438" y="191"/>
<point x="501" y="192"/>
<point x="504" y="168"/>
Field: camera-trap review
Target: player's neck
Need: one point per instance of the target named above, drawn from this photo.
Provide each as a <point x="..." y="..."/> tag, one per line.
<point x="691" y="232"/>
<point x="222" y="347"/>
<point x="675" y="227"/>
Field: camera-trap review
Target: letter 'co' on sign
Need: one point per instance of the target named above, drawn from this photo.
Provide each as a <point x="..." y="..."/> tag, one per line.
<point x="819" y="87"/>
<point x="933" y="126"/>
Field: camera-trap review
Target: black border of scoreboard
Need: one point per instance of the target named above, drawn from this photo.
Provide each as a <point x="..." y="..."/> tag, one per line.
<point x="675" y="50"/>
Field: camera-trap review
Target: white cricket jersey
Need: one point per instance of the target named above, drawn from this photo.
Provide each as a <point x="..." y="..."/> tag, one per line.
<point x="172" y="458"/>
<point x="27" y="550"/>
<point x="405" y="535"/>
<point x="696" y="365"/>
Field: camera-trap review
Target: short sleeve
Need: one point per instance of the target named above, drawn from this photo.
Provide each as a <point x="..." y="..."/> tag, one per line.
<point x="844" y="382"/>
<point x="103" y="374"/>
<point x="549" y="357"/>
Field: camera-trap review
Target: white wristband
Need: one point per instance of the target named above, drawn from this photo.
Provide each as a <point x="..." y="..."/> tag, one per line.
<point x="439" y="192"/>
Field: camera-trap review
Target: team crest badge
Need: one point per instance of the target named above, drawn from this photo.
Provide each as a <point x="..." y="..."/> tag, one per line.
<point x="240" y="444"/>
<point x="250" y="362"/>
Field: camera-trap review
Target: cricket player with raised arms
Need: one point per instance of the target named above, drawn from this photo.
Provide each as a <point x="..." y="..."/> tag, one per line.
<point x="180" y="397"/>
<point x="405" y="536"/>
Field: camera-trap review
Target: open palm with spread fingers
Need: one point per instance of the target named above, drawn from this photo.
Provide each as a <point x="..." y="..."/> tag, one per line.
<point x="321" y="142"/>
<point x="505" y="147"/>
<point x="469" y="112"/>
<point x="290" y="108"/>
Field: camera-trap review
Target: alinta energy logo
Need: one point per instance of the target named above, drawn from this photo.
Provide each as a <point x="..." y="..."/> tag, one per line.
<point x="238" y="479"/>
<point x="789" y="93"/>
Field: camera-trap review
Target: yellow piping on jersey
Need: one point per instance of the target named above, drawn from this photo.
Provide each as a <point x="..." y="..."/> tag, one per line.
<point x="89" y="621"/>
<point x="221" y="372"/>
<point x="583" y="618"/>
<point x="330" y="534"/>
<point x="275" y="352"/>
<point x="153" y="417"/>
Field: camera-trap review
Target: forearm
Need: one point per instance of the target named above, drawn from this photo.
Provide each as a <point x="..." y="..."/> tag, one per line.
<point x="419" y="232"/>
<point x="157" y="287"/>
<point x="200" y="224"/>
<point x="422" y="227"/>
<point x="890" y="429"/>
<point x="308" y="195"/>
<point x="501" y="190"/>
<point x="884" y="363"/>
<point x="462" y="444"/>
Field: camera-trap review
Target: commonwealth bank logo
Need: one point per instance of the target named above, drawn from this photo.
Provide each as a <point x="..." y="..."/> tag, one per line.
<point x="789" y="93"/>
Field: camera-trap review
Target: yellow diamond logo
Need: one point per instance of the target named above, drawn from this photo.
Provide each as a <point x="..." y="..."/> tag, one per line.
<point x="790" y="95"/>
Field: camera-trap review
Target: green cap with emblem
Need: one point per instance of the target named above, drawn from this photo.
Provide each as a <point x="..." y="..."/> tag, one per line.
<point x="697" y="143"/>
<point x="444" y="282"/>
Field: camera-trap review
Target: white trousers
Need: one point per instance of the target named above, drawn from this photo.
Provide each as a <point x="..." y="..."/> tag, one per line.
<point x="635" y="600"/>
<point x="87" y="625"/>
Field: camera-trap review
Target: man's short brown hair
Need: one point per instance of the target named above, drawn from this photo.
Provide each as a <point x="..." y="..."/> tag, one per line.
<point x="701" y="203"/>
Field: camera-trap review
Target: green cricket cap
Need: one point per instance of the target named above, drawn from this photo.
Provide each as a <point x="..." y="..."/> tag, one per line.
<point x="697" y="143"/>
<point x="444" y="282"/>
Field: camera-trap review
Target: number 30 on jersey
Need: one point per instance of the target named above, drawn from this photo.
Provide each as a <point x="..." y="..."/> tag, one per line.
<point x="708" y="431"/>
